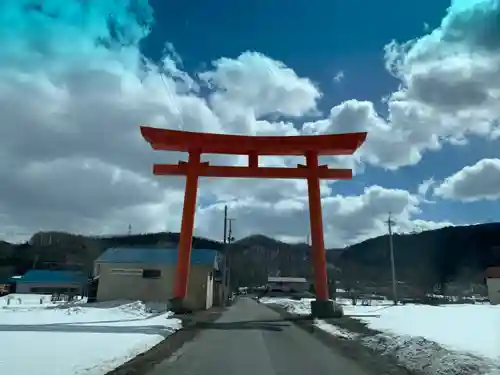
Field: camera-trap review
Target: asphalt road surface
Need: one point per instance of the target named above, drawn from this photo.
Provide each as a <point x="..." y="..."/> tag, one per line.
<point x="250" y="339"/>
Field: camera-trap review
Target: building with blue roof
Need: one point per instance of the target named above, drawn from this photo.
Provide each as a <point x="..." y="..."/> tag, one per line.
<point x="147" y="274"/>
<point x="51" y="281"/>
<point x="164" y="256"/>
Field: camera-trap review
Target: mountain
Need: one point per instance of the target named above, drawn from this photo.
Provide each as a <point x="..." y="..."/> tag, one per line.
<point x="434" y="257"/>
<point x="253" y="259"/>
<point x="59" y="250"/>
<point x="423" y="260"/>
<point x="332" y="255"/>
<point x="6" y="250"/>
<point x="428" y="258"/>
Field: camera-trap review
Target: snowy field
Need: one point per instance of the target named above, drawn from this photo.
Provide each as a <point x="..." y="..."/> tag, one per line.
<point x="43" y="338"/>
<point x="431" y="339"/>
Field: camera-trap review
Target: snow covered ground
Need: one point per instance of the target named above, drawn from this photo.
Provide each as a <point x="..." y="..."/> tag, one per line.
<point x="38" y="337"/>
<point x="433" y="339"/>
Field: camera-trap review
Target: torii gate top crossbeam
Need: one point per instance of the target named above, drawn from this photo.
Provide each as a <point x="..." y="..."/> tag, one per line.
<point x="210" y="143"/>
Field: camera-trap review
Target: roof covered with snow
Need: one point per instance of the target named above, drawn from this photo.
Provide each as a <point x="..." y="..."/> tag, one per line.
<point x="52" y="277"/>
<point x="166" y="256"/>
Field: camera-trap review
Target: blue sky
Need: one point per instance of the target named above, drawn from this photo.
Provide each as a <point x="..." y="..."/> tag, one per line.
<point x="420" y="77"/>
<point x="318" y="39"/>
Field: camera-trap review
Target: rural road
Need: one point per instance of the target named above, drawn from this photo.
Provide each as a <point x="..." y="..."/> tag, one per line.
<point x="250" y="339"/>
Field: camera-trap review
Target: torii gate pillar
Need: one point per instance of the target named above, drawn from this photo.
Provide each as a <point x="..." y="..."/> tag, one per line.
<point x="187" y="226"/>
<point x="316" y="222"/>
<point x="309" y="146"/>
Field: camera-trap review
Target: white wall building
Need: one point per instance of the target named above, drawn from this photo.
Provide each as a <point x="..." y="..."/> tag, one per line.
<point x="493" y="284"/>
<point x="287" y="284"/>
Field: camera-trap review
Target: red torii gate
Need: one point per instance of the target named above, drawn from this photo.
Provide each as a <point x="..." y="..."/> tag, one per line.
<point x="311" y="146"/>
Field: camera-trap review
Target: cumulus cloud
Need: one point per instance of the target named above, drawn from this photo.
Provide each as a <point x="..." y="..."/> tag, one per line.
<point x="472" y="183"/>
<point x="347" y="219"/>
<point x="74" y="88"/>
<point x="425" y="188"/>
<point x="255" y="85"/>
<point x="449" y="90"/>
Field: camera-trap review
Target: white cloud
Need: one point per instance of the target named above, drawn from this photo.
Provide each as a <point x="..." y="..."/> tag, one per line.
<point x="347" y="219"/>
<point x="449" y="90"/>
<point x="339" y="76"/>
<point x="72" y="97"/>
<point x="424" y="188"/>
<point x="473" y="183"/>
<point x="252" y="86"/>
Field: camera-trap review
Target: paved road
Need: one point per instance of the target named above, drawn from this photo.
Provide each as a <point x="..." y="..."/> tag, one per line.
<point x="250" y="339"/>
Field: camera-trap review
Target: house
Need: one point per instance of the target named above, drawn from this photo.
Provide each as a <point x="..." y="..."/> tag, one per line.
<point x="6" y="272"/>
<point x="50" y="282"/>
<point x="493" y="284"/>
<point x="147" y="274"/>
<point x="287" y="284"/>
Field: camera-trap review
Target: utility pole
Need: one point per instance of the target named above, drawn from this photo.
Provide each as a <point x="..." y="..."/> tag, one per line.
<point x="225" y="224"/>
<point x="230" y="237"/>
<point x="390" y="223"/>
<point x="230" y="240"/>
<point x="223" y="295"/>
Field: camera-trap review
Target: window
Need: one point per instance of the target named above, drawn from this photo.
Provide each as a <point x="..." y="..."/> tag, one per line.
<point x="151" y="274"/>
<point x="127" y="271"/>
<point x="217" y="276"/>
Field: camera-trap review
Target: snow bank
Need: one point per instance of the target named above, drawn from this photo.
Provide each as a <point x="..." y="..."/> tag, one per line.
<point x="297" y="307"/>
<point x="334" y="330"/>
<point x="76" y="339"/>
<point x="437" y="340"/>
<point x="429" y="357"/>
<point x="469" y="328"/>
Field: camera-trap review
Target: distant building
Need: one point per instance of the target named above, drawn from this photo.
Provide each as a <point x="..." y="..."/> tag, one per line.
<point x="493" y="284"/>
<point x="287" y="284"/>
<point x="147" y="274"/>
<point x="6" y="272"/>
<point x="50" y="282"/>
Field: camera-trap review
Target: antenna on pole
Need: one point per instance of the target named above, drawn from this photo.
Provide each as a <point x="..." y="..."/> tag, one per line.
<point x="390" y="223"/>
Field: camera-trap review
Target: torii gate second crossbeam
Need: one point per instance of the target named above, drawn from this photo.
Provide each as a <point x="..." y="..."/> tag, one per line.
<point x="312" y="146"/>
